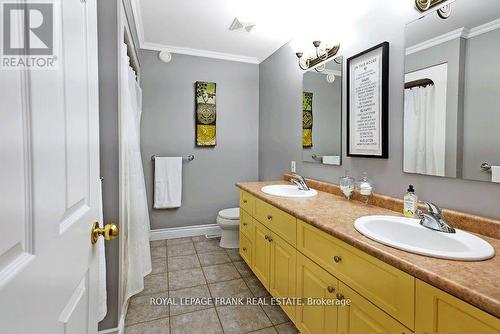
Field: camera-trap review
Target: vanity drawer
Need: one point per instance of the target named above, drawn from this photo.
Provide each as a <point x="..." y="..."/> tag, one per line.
<point x="247" y="202"/>
<point x="246" y="249"/>
<point x="278" y="221"/>
<point x="246" y="224"/>
<point x="387" y="287"/>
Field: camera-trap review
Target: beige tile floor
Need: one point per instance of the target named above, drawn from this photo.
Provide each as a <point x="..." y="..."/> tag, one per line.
<point x="198" y="267"/>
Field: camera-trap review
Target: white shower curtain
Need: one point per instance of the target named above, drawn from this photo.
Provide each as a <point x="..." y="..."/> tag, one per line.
<point x="135" y="215"/>
<point x="421" y="149"/>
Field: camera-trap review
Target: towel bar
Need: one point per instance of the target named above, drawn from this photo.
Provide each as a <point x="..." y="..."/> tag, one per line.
<point x="485" y="166"/>
<point x="190" y="157"/>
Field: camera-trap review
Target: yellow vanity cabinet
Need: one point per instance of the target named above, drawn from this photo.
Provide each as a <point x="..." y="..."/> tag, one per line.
<point x="316" y="283"/>
<point x="385" y="286"/>
<point x="283" y="273"/>
<point x="247" y="202"/>
<point x="362" y="317"/>
<point x="294" y="259"/>
<point x="246" y="224"/>
<point x="261" y="253"/>
<point x="246" y="249"/>
<point x="440" y="313"/>
<point x="274" y="264"/>
<point x="280" y="222"/>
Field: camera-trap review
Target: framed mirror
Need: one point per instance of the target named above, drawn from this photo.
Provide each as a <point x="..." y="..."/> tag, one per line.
<point x="322" y="114"/>
<point x="452" y="93"/>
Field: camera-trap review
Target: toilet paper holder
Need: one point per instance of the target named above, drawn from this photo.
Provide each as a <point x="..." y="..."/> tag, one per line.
<point x="485" y="166"/>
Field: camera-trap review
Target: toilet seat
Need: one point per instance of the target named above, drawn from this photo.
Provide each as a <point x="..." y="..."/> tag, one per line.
<point x="230" y="214"/>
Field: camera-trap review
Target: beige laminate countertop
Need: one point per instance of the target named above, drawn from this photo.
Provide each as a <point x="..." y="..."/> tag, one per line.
<point x="477" y="283"/>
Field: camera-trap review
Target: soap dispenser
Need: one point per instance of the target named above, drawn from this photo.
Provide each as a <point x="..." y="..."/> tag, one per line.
<point x="410" y="202"/>
<point x="365" y="188"/>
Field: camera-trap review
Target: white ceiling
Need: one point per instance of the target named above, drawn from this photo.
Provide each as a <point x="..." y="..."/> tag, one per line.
<point x="200" y="27"/>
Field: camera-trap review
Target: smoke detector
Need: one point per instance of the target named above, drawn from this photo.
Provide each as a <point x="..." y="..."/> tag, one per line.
<point x="241" y="26"/>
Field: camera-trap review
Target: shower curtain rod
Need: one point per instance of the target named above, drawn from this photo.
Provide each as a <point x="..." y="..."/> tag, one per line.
<point x="419" y="83"/>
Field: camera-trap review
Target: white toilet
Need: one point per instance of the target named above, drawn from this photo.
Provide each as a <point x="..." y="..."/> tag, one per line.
<point x="229" y="222"/>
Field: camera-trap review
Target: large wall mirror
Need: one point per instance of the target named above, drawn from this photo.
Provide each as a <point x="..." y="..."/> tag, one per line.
<point x="452" y="92"/>
<point x="322" y="114"/>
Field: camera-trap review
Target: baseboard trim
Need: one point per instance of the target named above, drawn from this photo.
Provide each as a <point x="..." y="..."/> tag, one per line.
<point x="186" y="231"/>
<point x="109" y="331"/>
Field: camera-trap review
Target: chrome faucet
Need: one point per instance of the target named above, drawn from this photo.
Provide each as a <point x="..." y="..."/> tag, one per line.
<point x="434" y="219"/>
<point x="299" y="181"/>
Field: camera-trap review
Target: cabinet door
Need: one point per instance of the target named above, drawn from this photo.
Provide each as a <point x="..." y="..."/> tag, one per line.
<point x="261" y="252"/>
<point x="361" y="316"/>
<point x="439" y="312"/>
<point x="314" y="283"/>
<point x="283" y="272"/>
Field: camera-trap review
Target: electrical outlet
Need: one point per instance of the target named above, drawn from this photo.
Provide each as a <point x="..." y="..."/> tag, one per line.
<point x="292" y="167"/>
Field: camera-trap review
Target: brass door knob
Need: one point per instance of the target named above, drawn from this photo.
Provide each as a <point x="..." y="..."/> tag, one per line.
<point x="109" y="232"/>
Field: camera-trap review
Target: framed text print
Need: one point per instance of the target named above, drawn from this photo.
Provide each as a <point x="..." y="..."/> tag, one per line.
<point x="367" y="103"/>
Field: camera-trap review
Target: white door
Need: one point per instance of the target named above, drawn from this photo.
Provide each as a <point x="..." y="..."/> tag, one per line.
<point x="49" y="162"/>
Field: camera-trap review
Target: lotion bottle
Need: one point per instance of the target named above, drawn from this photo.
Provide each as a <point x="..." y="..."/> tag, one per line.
<point x="410" y="202"/>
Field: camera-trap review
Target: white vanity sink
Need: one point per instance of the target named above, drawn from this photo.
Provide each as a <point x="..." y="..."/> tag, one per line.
<point x="407" y="234"/>
<point x="288" y="191"/>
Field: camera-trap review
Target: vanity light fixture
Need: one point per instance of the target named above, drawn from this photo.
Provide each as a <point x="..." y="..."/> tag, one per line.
<point x="424" y="5"/>
<point x="320" y="56"/>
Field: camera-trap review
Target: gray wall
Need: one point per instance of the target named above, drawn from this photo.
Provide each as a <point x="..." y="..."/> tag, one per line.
<point x="482" y="112"/>
<point x="107" y="12"/>
<point x="327" y="115"/>
<point x="452" y="53"/>
<point x="280" y="103"/>
<point x="168" y="129"/>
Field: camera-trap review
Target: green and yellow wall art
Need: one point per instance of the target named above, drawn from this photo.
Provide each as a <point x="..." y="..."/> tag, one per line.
<point x="205" y="114"/>
<point x="307" y="119"/>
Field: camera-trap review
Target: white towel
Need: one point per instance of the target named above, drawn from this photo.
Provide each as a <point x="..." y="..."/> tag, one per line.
<point x="101" y="255"/>
<point x="495" y="174"/>
<point x="168" y="182"/>
<point x="331" y="160"/>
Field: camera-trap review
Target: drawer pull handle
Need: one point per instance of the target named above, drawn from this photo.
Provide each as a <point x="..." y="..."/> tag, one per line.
<point x="331" y="289"/>
<point x="269" y="217"/>
<point x="244" y="201"/>
<point x="340" y="296"/>
<point x="244" y="249"/>
<point x="270" y="239"/>
<point x="337" y="259"/>
<point x="267" y="237"/>
<point x="245" y="224"/>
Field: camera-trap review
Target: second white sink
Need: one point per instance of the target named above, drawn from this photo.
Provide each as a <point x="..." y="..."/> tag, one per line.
<point x="407" y="234"/>
<point x="285" y="190"/>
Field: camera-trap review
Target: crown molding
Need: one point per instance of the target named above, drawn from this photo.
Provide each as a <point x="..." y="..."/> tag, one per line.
<point x="198" y="52"/>
<point x="484" y="28"/>
<point x="457" y="33"/>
